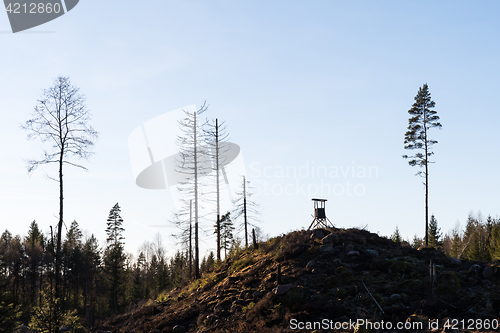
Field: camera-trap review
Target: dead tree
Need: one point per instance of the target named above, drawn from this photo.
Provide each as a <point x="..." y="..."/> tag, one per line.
<point x="217" y="138"/>
<point x="246" y="208"/>
<point x="193" y="162"/>
<point x="61" y="118"/>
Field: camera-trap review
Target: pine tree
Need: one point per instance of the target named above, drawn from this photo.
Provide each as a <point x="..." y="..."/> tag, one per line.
<point x="494" y="243"/>
<point x="91" y="270"/>
<point x="456" y="242"/>
<point x="396" y="236"/>
<point x="226" y="227"/>
<point x="33" y="245"/>
<point x="434" y="233"/>
<point x="423" y="118"/>
<point x="416" y="242"/>
<point x="114" y="257"/>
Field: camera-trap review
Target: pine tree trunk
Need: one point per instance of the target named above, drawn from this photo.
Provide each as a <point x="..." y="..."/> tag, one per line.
<point x="426" y="181"/>
<point x="190" y="240"/>
<point x="245" y="211"/>
<point x="217" y="179"/>
<point x="196" y="248"/>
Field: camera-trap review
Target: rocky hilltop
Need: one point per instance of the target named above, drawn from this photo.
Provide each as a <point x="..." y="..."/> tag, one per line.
<point x="324" y="281"/>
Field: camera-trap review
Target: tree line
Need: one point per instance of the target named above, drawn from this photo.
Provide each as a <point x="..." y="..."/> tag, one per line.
<point x="95" y="281"/>
<point x="478" y="241"/>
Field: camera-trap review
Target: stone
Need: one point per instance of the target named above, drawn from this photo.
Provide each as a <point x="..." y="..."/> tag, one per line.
<point x="349" y="248"/>
<point x="179" y="329"/>
<point x="235" y="308"/>
<point x="373" y="253"/>
<point x="280" y="290"/>
<point x="257" y="295"/>
<point x="395" y="297"/>
<point x="326" y="249"/>
<point x="332" y="238"/>
<point x="317" y="234"/>
<point x="454" y="261"/>
<point x="310" y="264"/>
<point x="488" y="272"/>
<point x="353" y="253"/>
<point x="475" y="269"/>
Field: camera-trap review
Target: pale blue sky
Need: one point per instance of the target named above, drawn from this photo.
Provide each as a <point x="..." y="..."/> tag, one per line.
<point x="300" y="83"/>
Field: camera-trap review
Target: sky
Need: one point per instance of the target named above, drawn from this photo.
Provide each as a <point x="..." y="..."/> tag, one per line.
<point x="315" y="93"/>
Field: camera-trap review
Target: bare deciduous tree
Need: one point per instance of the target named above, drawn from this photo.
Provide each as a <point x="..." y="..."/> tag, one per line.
<point x="61" y="118"/>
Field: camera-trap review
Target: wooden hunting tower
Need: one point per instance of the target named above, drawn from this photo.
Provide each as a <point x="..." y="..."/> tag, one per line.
<point x="320" y="219"/>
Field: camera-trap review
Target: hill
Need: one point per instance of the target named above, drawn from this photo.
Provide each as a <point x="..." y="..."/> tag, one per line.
<point x="328" y="280"/>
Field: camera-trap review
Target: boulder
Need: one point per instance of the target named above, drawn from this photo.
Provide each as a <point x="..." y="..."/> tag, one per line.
<point x="454" y="261"/>
<point x="179" y="329"/>
<point x="373" y="253"/>
<point x="317" y="234"/>
<point x="352" y="254"/>
<point x="488" y="272"/>
<point x="332" y="239"/>
<point x="326" y="249"/>
<point x="395" y="298"/>
<point x="280" y="290"/>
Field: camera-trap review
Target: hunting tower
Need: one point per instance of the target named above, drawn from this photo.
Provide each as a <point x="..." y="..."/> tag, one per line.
<point x="320" y="219"/>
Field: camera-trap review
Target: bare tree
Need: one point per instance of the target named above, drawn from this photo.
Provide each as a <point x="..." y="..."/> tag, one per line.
<point x="194" y="162"/>
<point x="219" y="147"/>
<point x="246" y="208"/>
<point x="61" y="118"/>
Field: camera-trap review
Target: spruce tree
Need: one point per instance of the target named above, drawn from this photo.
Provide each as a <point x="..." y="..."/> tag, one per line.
<point x="226" y="227"/>
<point x="434" y="233"/>
<point x="396" y="236"/>
<point x="114" y="257"/>
<point x="422" y="119"/>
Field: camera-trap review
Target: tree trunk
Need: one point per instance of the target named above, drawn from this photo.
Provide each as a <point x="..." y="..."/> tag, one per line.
<point x="196" y="248"/>
<point x="217" y="178"/>
<point x="426" y="181"/>
<point x="245" y="210"/>
<point x="190" y="240"/>
<point x="59" y="226"/>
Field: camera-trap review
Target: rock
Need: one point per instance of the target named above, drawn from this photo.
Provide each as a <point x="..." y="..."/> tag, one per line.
<point x="243" y="294"/>
<point x="349" y="248"/>
<point x="24" y="329"/>
<point x="179" y="329"/>
<point x="488" y="272"/>
<point x="475" y="269"/>
<point x="373" y="253"/>
<point x="310" y="264"/>
<point x="218" y="308"/>
<point x="235" y="308"/>
<point x="257" y="295"/>
<point x="317" y="234"/>
<point x="239" y="302"/>
<point x="212" y="318"/>
<point x="280" y="290"/>
<point x="353" y="253"/>
<point x="326" y="249"/>
<point x="332" y="238"/>
<point x="395" y="298"/>
<point x="454" y="261"/>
